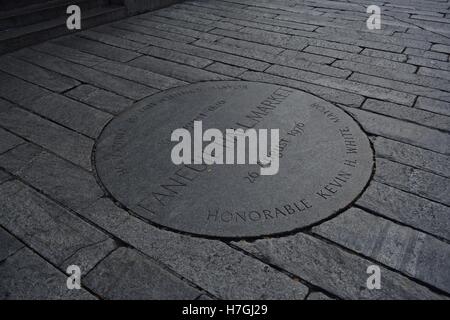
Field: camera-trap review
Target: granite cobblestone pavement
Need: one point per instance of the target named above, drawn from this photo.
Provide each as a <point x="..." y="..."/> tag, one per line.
<point x="55" y="98"/>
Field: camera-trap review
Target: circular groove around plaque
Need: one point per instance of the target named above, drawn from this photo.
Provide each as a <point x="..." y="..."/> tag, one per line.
<point x="325" y="161"/>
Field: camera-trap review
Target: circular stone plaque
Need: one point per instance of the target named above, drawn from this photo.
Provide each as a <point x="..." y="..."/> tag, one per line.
<point x="325" y="160"/>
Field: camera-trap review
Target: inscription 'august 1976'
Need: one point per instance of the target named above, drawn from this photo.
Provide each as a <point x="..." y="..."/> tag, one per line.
<point x="325" y="161"/>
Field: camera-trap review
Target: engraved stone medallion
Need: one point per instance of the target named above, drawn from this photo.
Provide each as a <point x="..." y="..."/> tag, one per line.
<point x="325" y="161"/>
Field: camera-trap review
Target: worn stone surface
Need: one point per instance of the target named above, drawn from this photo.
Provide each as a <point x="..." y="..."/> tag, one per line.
<point x="335" y="270"/>
<point x="407" y="208"/>
<point x="415" y="253"/>
<point x="8" y="141"/>
<point x="43" y="225"/>
<point x="70" y="113"/>
<point x="26" y="276"/>
<point x="425" y="184"/>
<point x="63" y="181"/>
<point x="56" y="138"/>
<point x="330" y="155"/>
<point x="416" y="157"/>
<point x="127" y="274"/>
<point x="4" y="176"/>
<point x="99" y="98"/>
<point x="211" y="264"/>
<point x="8" y="244"/>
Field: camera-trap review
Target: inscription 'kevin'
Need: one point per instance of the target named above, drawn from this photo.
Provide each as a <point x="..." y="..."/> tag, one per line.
<point x="333" y="186"/>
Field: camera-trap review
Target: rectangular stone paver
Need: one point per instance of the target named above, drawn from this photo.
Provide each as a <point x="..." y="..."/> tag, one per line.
<point x="40" y="76"/>
<point x="63" y="181"/>
<point x="71" y="113"/>
<point x="333" y="269"/>
<point x="54" y="137"/>
<point x="8" y="140"/>
<point x="43" y="225"/>
<point x="103" y="80"/>
<point x="416" y="157"/>
<point x="176" y="70"/>
<point x="26" y="276"/>
<point x="8" y="244"/>
<point x="99" y="98"/>
<point x="402" y="131"/>
<point x="416" y="254"/>
<point x="406" y="208"/>
<point x="4" y="176"/>
<point x="422" y="183"/>
<point x="136" y="277"/>
<point x="211" y="264"/>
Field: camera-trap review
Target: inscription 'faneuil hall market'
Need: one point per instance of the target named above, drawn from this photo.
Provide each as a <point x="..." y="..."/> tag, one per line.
<point x="325" y="161"/>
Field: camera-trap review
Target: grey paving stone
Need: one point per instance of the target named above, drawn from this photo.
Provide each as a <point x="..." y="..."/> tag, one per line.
<point x="409" y="179"/>
<point x="251" y="45"/>
<point x="287" y="58"/>
<point x="318" y="296"/>
<point x="140" y="75"/>
<point x="97" y="48"/>
<point x="69" y="54"/>
<point x="46" y="227"/>
<point x="402" y="87"/>
<point x="406" y="208"/>
<point x="64" y="142"/>
<point x="295" y="55"/>
<point x="435" y="64"/>
<point x="8" y="140"/>
<point x="426" y="54"/>
<point x="4" y="176"/>
<point x="367" y="60"/>
<point x="329" y="94"/>
<point x="154" y="32"/>
<point x="176" y="56"/>
<point x="19" y="91"/>
<point x="172" y="22"/>
<point x="418" y="116"/>
<point x="191" y="50"/>
<point x="265" y="37"/>
<point x="371" y="36"/>
<point x="89" y="256"/>
<point x="345" y="85"/>
<point x="225" y="69"/>
<point x="111" y="40"/>
<point x="419" y="255"/>
<point x="441" y="48"/>
<point x="392" y="74"/>
<point x="70" y="113"/>
<point x="26" y="276"/>
<point x="175" y="70"/>
<point x="384" y="54"/>
<point x="402" y="131"/>
<point x="412" y="156"/>
<point x="434" y="73"/>
<point x="8" y="244"/>
<point x="103" y="80"/>
<point x="341" y="273"/>
<point x="99" y="98"/>
<point x="164" y="24"/>
<point x="433" y="105"/>
<point x="42" y="77"/>
<point x="63" y="181"/>
<point x="211" y="264"/>
<point x="136" y="277"/>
